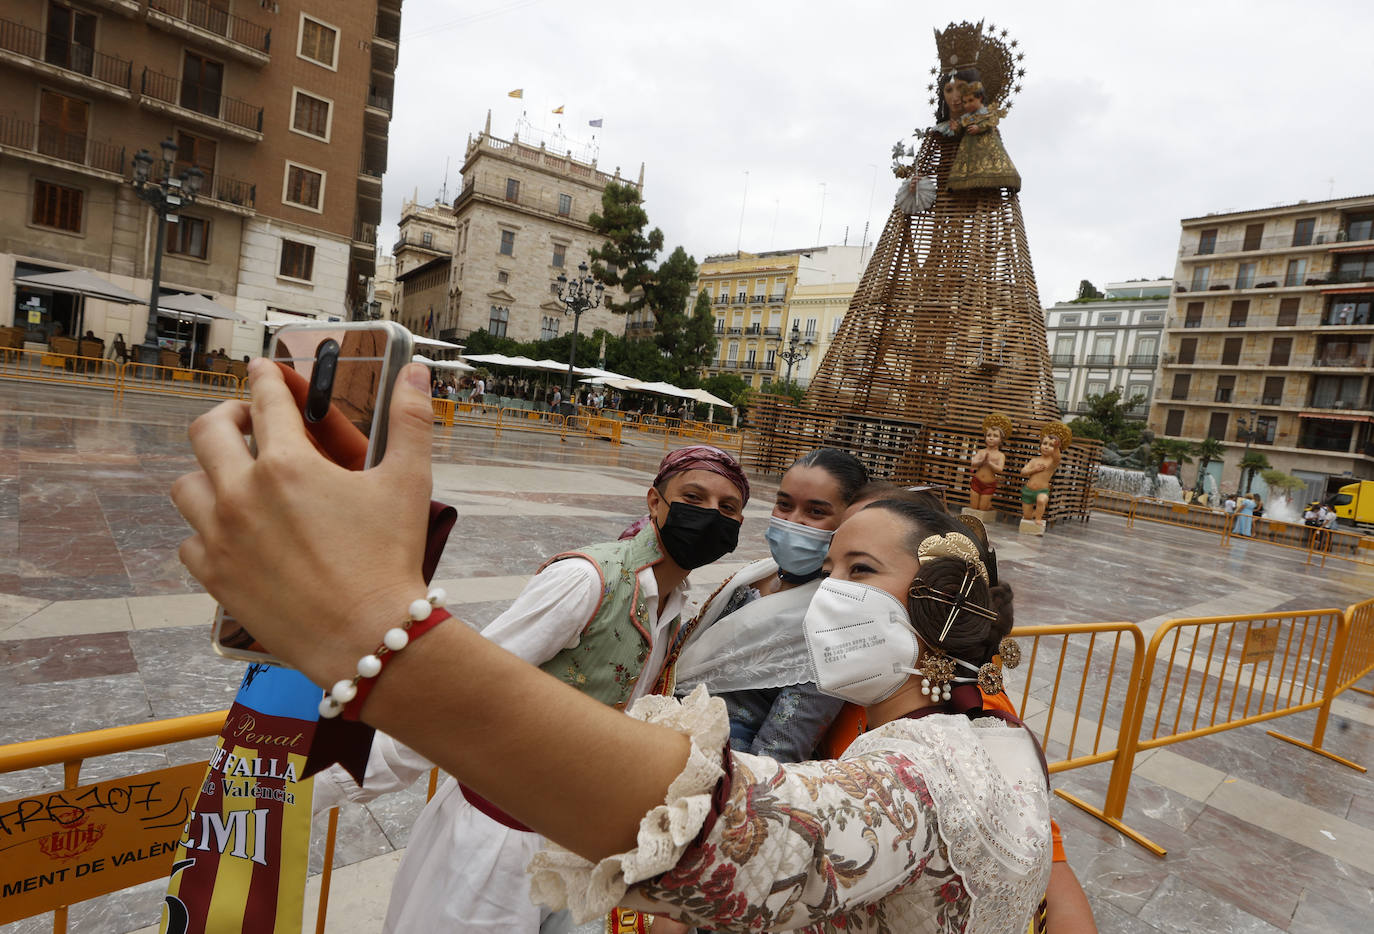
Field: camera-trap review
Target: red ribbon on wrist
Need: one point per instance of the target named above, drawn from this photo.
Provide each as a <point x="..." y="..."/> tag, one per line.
<point x="353" y="708"/>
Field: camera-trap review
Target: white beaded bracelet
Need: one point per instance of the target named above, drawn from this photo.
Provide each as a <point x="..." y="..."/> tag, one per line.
<point x="351" y="691"/>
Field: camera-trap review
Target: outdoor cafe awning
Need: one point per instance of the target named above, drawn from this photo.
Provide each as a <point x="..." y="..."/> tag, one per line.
<point x="443" y="364"/>
<point x="196" y="305"/>
<point x="80" y="282"/>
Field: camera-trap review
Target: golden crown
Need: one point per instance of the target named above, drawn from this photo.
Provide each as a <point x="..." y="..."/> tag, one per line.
<point x="1000" y="422"/>
<point x="972" y="45"/>
<point x="1059" y="431"/>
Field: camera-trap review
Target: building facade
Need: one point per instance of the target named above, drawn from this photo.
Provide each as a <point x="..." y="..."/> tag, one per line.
<point x="1268" y="339"/>
<point x="422" y="303"/>
<point x="1097" y="345"/>
<point x="285" y="109"/>
<point x="426" y="231"/>
<point x="760" y="299"/>
<point x="520" y="221"/>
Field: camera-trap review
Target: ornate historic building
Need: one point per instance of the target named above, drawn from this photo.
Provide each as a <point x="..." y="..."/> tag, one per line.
<point x="520" y="221"/>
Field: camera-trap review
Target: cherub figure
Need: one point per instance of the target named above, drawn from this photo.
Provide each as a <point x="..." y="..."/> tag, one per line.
<point x="989" y="463"/>
<point x="1035" y="495"/>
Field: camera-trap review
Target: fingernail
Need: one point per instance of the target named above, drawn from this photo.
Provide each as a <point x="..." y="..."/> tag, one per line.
<point x="417" y="374"/>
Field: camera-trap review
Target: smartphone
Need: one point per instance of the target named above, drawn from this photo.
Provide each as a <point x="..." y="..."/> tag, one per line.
<point x="342" y="375"/>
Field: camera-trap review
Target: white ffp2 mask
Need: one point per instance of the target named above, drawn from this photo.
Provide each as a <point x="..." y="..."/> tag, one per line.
<point x="860" y="641"/>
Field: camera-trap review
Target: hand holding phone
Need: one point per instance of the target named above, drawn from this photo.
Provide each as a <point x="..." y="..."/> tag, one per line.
<point x="342" y="377"/>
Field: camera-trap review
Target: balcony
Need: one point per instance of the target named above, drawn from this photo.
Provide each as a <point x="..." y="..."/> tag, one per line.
<point x="212" y="27"/>
<point x="1349" y="276"/>
<point x="753" y="330"/>
<point x="1339" y="404"/>
<point x="46" y="144"/>
<point x="369" y="177"/>
<point x="722" y="300"/>
<point x="1143" y="359"/>
<point x="777" y="299"/>
<point x="734" y="332"/>
<point x="231" y="194"/>
<point x="417" y="242"/>
<point x="377" y="113"/>
<point x="740" y="298"/>
<point x="66" y="62"/>
<point x="1272" y="242"/>
<point x="386" y="38"/>
<point x="756" y="299"/>
<point x="365" y="237"/>
<point x="1192" y="322"/>
<point x="1345" y="361"/>
<point x="772" y="332"/>
<point x="1100" y="359"/>
<point x="201" y="105"/>
<point x="1061" y="359"/>
<point x="126" y="8"/>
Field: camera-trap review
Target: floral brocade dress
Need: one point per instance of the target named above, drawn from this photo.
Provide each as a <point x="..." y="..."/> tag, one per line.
<point x="937" y="824"/>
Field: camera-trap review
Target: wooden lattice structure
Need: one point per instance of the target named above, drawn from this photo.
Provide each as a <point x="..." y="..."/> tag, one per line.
<point x="945" y="327"/>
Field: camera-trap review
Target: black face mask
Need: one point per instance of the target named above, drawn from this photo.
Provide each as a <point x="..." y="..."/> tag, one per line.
<point x="695" y="536"/>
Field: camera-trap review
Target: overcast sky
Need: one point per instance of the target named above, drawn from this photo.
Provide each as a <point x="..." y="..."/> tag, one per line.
<point x="1131" y="117"/>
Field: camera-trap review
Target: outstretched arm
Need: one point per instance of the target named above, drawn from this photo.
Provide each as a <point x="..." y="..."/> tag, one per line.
<point x="319" y="584"/>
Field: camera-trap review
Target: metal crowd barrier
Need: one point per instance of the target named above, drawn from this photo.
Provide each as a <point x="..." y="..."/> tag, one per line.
<point x="102" y="373"/>
<point x="72" y="750"/>
<point x="1317" y="543"/>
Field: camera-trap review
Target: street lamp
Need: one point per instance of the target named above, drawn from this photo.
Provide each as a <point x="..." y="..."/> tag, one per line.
<point x="791" y="353"/>
<point x="1250" y="429"/>
<point x="166" y="195"/>
<point x="577" y="296"/>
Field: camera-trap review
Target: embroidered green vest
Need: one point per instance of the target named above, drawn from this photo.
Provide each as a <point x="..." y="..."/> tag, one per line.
<point x="610" y="654"/>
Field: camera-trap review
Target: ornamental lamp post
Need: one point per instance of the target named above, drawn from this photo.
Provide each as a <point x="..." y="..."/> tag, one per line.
<point x="577" y="295"/>
<point x="166" y="196"/>
<point x="791" y="353"/>
<point x="1249" y="429"/>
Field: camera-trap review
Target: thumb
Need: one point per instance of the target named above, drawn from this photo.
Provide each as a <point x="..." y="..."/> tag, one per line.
<point x="410" y="426"/>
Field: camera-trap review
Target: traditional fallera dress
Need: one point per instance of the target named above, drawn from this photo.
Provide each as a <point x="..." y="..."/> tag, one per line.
<point x="937" y="824"/>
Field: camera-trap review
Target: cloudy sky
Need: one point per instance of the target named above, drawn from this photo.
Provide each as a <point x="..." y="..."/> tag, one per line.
<point x="1131" y="117"/>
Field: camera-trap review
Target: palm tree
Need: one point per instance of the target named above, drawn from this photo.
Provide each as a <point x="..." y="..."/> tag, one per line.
<point x="1252" y="463"/>
<point x="1209" y="450"/>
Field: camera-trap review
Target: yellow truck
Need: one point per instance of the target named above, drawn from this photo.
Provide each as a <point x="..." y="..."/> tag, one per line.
<point x="1354" y="504"/>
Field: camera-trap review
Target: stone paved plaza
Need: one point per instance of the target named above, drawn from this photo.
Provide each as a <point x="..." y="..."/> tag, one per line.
<point x="101" y="626"/>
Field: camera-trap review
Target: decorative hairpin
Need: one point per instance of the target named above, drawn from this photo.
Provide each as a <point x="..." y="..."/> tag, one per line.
<point x="937" y="671"/>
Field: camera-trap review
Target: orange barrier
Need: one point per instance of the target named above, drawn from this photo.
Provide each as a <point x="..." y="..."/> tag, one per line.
<point x="71" y="752"/>
<point x="180" y="381"/>
<point x="71" y="369"/>
<point x="1318" y="544"/>
<point x="1106" y="656"/>
<point x="1209" y="674"/>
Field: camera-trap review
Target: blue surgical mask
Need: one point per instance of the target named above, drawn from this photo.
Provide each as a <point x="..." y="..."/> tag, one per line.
<point x="798" y="549"/>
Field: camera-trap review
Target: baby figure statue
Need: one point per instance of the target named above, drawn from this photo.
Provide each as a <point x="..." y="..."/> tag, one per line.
<point x="1035" y="495"/>
<point x="989" y="463"/>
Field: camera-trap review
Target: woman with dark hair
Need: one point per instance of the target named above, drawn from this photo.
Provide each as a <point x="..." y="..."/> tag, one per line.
<point x="746" y="644"/>
<point x="936" y="819"/>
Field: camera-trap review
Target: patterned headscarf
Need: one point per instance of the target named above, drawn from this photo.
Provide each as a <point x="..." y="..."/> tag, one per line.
<point x="695" y="457"/>
<point x="704" y="457"/>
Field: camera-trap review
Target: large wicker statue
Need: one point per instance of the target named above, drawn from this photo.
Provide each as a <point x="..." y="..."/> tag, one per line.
<point x="946" y="323"/>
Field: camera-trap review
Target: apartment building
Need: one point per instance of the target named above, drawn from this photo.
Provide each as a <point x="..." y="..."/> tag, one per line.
<point x="1268" y="339"/>
<point x="520" y="222"/>
<point x="772" y="305"/>
<point x="283" y="106"/>
<point x="1097" y="345"/>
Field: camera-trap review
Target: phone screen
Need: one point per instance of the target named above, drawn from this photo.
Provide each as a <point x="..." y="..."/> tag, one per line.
<point x="346" y="373"/>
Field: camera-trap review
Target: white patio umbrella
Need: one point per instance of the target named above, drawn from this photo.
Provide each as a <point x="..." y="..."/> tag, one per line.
<point x="82" y="283"/>
<point x="444" y="364"/>
<point x="421" y="341"/>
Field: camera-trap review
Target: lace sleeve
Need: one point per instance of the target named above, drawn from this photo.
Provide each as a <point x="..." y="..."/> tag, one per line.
<point x="793" y="846"/>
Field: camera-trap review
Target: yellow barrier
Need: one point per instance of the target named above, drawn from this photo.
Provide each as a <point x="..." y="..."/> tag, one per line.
<point x="70" y="369"/>
<point x="1183" y="515"/>
<point x="1206" y="675"/>
<point x="1107" y="657"/>
<point x="1118" y="504"/>
<point x="180" y="381"/>
<point x="72" y="750"/>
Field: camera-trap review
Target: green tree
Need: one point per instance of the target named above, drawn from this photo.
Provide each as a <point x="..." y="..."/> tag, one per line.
<point x="667" y="295"/>
<point x="1107" y="421"/>
<point x="1278" y="481"/>
<point x="733" y="389"/>
<point x="1209" y="450"/>
<point x="783" y="388"/>
<point x="697" y="345"/>
<point x="626" y="256"/>
<point x="1172" y="449"/>
<point x="1252" y="463"/>
<point x="1087" y="291"/>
